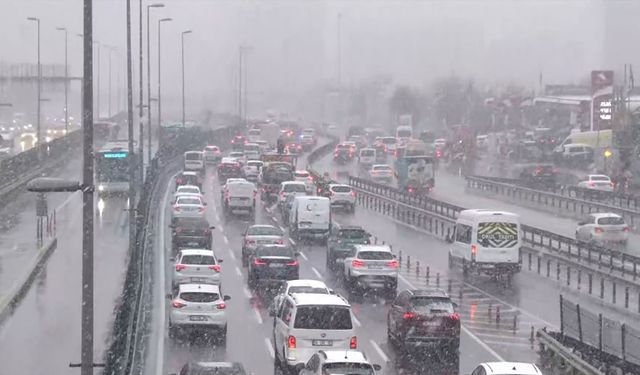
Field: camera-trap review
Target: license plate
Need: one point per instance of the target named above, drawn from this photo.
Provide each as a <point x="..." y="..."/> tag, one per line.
<point x="197" y="318"/>
<point x="375" y="266"/>
<point x="192" y="243"/>
<point x="321" y="342"/>
<point x="276" y="265"/>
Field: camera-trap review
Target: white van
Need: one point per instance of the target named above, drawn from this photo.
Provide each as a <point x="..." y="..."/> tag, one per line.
<point x="404" y="132"/>
<point x="194" y="161"/>
<point x="254" y="134"/>
<point x="486" y="241"/>
<point x="252" y="151"/>
<point x="367" y="157"/>
<point x="310" y="217"/>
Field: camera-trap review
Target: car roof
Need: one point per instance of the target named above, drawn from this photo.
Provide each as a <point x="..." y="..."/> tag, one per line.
<point x="228" y="160"/>
<point x="599" y="215"/>
<point x="335" y="185"/>
<point x="598" y="175"/>
<point x="380" y="248"/>
<point x="188" y="187"/>
<point x="250" y="144"/>
<point x="305" y="299"/>
<point x="381" y="165"/>
<point x="307" y="282"/>
<point x="486" y="213"/>
<point x="516" y="368"/>
<point x="302" y="171"/>
<point x="344" y="356"/>
<point x="351" y="227"/>
<point x="219" y="364"/>
<point x="263" y="226"/>
<point x="196" y="252"/>
<point x="202" y="288"/>
<point x="428" y="292"/>
<point x="293" y="183"/>
<point x="189" y="173"/>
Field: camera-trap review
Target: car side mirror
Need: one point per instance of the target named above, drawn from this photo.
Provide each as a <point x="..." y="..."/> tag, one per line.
<point x="297" y="253"/>
<point x="212" y="227"/>
<point x="220" y="260"/>
<point x="272" y="311"/>
<point x="377" y="367"/>
<point x="172" y="259"/>
<point x="172" y="226"/>
<point x="204" y="203"/>
<point x="169" y="296"/>
<point x="331" y="291"/>
<point x="226" y="298"/>
<point x="455" y="305"/>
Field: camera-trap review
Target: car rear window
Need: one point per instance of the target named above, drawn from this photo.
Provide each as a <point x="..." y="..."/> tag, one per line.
<point x="212" y="148"/>
<point x="600" y="178"/>
<point x="189" y="190"/>
<point x="367" y="152"/>
<point x="216" y="371"/>
<point x="202" y="297"/>
<point x="343" y="146"/>
<point x="375" y="255"/>
<point x="307" y="289"/>
<point x="353" y="233"/>
<point x="611" y="221"/>
<point x="188" y="200"/>
<point x="341" y="189"/>
<point x="347" y="368"/>
<point x="323" y="317"/>
<point x="433" y="305"/>
<point x="198" y="259"/>
<point x="382" y="168"/>
<point x="275" y="251"/>
<point x="192" y="223"/>
<point x="297" y="188"/>
<point x="254" y="132"/>
<point x="264" y="231"/>
<point x="193" y="156"/>
<point x="388" y="140"/>
<point x="302" y="174"/>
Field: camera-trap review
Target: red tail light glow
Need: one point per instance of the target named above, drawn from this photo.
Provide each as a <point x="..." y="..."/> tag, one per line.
<point x="393" y="264"/>
<point x="201" y="209"/>
<point x="259" y="262"/>
<point x="357" y="263"/>
<point x="180" y="267"/>
<point x="454" y="316"/>
<point x="353" y="343"/>
<point x="408" y="315"/>
<point x="178" y="304"/>
<point x="176" y="207"/>
<point x="279" y="242"/>
<point x="291" y="342"/>
<point x="221" y="306"/>
<point x="625" y="229"/>
<point x="215" y="267"/>
<point x="598" y="230"/>
<point x="179" y="230"/>
<point x="292" y="263"/>
<point x="249" y="242"/>
<point x="353" y="193"/>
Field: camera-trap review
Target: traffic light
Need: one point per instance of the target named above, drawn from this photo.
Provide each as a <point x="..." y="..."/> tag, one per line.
<point x="607" y="153"/>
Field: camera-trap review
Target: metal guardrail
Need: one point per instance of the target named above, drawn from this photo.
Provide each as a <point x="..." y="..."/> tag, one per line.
<point x="125" y="354"/>
<point x="557" y="357"/>
<point x="551" y="199"/>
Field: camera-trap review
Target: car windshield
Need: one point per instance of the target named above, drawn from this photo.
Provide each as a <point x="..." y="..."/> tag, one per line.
<point x="323" y="317"/>
<point x="375" y="255"/>
<point x="302" y="174"/>
<point x="202" y="297"/>
<point x="264" y="231"/>
<point x="612" y="220"/>
<point x="294" y="188"/>
<point x="341" y="189"/>
<point x="275" y="251"/>
<point x="346" y="368"/>
<point x="198" y="259"/>
<point x="308" y="289"/>
<point x="367" y="153"/>
<point x="388" y="140"/>
<point x="432" y="305"/>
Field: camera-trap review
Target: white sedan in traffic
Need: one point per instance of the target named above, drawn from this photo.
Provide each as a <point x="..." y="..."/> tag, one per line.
<point x="603" y="228"/>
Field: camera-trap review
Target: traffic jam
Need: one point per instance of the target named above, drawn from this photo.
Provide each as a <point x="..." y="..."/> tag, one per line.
<point x="285" y="214"/>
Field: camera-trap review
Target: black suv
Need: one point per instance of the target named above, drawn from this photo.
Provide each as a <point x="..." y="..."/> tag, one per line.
<point x="539" y="176"/>
<point x="190" y="232"/>
<point x="272" y="265"/>
<point x="424" y="319"/>
<point x="213" y="368"/>
<point x="341" y="241"/>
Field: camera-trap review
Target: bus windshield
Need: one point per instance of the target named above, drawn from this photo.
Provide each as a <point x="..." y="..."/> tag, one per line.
<point x="112" y="167"/>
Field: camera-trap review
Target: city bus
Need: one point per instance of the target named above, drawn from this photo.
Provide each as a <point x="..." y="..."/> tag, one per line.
<point x="112" y="164"/>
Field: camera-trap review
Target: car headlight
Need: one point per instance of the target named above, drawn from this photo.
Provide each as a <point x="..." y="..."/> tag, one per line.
<point x="100" y="187"/>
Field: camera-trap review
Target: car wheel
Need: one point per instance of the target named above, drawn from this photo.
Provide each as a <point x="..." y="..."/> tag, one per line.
<point x="173" y="331"/>
<point x="222" y="339"/>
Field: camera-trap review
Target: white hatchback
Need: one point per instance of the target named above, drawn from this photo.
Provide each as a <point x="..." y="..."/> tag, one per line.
<point x="342" y="196"/>
<point x="198" y="307"/>
<point x="603" y="228"/>
<point x="305" y="176"/>
<point x="187" y="206"/>
<point x="196" y="264"/>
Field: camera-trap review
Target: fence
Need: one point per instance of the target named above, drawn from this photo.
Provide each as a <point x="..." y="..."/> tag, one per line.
<point x="606" y="335"/>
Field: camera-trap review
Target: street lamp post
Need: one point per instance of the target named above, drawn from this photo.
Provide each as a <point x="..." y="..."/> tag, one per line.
<point x="97" y="43"/>
<point x="156" y="5"/>
<point x="38" y="131"/>
<point x="111" y="49"/>
<point x="66" y="79"/>
<point x="160" y="21"/>
<point x="183" y="100"/>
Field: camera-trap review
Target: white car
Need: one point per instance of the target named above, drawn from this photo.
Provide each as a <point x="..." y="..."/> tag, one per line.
<point x="198" y="307"/>
<point x="381" y="173"/>
<point x="252" y="151"/>
<point x="440" y="143"/>
<point x="598" y="182"/>
<point x="260" y="234"/>
<point x="339" y="362"/>
<point x="288" y="188"/>
<point x="196" y="264"/>
<point x="603" y="228"/>
<point x="390" y="143"/>
<point x="212" y="154"/>
<point x="193" y="161"/>
<point x="506" y="368"/>
<point x="305" y="176"/>
<point x="366" y="157"/>
<point x="252" y="170"/>
<point x="299" y="286"/>
<point x="372" y="266"/>
<point x="187" y="206"/>
<point x="264" y="145"/>
<point x="342" y="196"/>
<point x="188" y="190"/>
<point x="239" y="156"/>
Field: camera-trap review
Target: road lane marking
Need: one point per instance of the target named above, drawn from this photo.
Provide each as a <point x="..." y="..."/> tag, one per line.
<point x="256" y="313"/>
<point x="356" y="321"/>
<point x="274" y="218"/>
<point x="238" y="272"/>
<point x="292" y="242"/>
<point x="231" y="254"/>
<point x="221" y="228"/>
<point x="317" y="272"/>
<point x="304" y="256"/>
<point x="267" y="343"/>
<point x="378" y="349"/>
<point x="464" y="328"/>
<point x="247" y="293"/>
<point x="281" y="228"/>
<point x="226" y="240"/>
<point x="217" y="218"/>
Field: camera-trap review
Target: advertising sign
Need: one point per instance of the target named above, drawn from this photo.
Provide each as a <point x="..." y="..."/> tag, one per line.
<point x="601" y="99"/>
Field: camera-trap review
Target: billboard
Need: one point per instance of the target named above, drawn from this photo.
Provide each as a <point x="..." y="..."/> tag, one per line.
<point x="601" y="99"/>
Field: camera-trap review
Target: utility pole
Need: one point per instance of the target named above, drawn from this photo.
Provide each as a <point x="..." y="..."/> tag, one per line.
<point x="157" y="5"/>
<point x="160" y="21"/>
<point x="39" y="99"/>
<point x="240" y="83"/>
<point x="132" y="166"/>
<point x="183" y="96"/>
<point x="141" y="99"/>
<point x="66" y="79"/>
<point x="97" y="43"/>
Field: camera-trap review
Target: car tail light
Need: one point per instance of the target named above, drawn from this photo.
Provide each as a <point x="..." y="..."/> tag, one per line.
<point x="259" y="262"/>
<point x="292" y="263"/>
<point x="353" y="193"/>
<point x="291" y="342"/>
<point x="592" y="184"/>
<point x="201" y="209"/>
<point x="393" y="264"/>
<point x="474" y="251"/>
<point x="178" y="304"/>
<point x="179" y="230"/>
<point x="279" y="242"/>
<point x="207" y="231"/>
<point x="611" y="184"/>
<point x="176" y="207"/>
<point x="180" y="267"/>
<point x="249" y="242"/>
<point x="410" y="189"/>
<point x="357" y="263"/>
<point x="454" y="317"/>
<point x="408" y="315"/>
<point x="598" y="230"/>
<point x="625" y="229"/>
<point x="215" y="267"/>
<point x="221" y="306"/>
<point x="438" y="154"/>
<point x="353" y="343"/>
<point x="282" y="195"/>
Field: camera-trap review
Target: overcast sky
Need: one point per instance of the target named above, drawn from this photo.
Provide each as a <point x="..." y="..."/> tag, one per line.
<point x="294" y="43"/>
